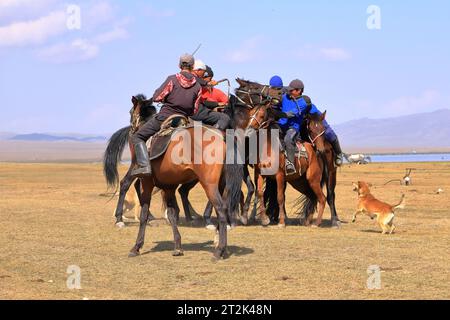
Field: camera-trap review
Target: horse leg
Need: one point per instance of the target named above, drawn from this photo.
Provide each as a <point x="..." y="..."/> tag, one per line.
<point x="331" y="195"/>
<point x="137" y="187"/>
<point x="146" y="194"/>
<point x="171" y="202"/>
<point x="207" y="216"/>
<point x="125" y="185"/>
<point x="281" y="189"/>
<point x="317" y="189"/>
<point x="265" y="220"/>
<point x="187" y="207"/>
<point x="251" y="191"/>
<point x="218" y="202"/>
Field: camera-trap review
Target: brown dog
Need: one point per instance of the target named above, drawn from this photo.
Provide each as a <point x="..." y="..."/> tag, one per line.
<point x="375" y="208"/>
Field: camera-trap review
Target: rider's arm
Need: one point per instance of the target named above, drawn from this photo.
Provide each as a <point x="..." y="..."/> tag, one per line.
<point x="162" y="92"/>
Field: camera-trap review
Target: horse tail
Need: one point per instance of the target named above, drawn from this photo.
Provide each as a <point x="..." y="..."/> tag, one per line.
<point x="325" y="172"/>
<point x="234" y="175"/>
<point x="306" y="204"/>
<point x="113" y="155"/>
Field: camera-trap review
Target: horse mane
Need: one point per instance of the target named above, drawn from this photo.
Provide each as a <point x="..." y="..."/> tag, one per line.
<point x="251" y="84"/>
<point x="147" y="108"/>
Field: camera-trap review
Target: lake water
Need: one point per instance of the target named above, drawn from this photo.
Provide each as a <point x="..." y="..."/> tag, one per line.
<point x="411" y="157"/>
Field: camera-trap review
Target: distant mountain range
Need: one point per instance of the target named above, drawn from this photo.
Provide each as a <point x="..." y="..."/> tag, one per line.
<point x="424" y="130"/>
<point x="51" y="137"/>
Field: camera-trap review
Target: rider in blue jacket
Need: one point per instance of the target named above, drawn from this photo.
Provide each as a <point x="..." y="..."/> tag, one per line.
<point x="295" y="105"/>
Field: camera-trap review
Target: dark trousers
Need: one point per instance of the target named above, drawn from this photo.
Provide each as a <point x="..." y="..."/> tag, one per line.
<point x="151" y="127"/>
<point x="212" y="118"/>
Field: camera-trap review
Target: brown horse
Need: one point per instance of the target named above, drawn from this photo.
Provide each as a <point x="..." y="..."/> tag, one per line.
<point x="169" y="172"/>
<point x="314" y="132"/>
<point x="308" y="179"/>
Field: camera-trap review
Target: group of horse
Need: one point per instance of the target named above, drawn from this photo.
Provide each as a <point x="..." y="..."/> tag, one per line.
<point x="250" y="110"/>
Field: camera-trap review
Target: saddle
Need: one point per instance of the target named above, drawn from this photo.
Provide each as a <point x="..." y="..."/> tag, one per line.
<point x="301" y="150"/>
<point x="157" y="144"/>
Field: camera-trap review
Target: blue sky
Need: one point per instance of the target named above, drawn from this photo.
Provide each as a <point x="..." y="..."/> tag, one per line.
<point x="53" y="79"/>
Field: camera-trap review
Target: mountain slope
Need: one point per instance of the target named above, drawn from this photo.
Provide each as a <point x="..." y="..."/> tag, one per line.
<point x="413" y="131"/>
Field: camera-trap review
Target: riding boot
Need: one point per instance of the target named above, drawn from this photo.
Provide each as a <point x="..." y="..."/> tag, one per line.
<point x="143" y="168"/>
<point x="290" y="160"/>
<point x="338" y="151"/>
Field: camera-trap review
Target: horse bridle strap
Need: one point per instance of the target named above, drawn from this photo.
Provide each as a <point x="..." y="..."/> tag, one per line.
<point x="317" y="137"/>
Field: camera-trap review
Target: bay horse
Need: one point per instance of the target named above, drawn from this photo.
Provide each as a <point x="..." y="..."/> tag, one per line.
<point x="313" y="131"/>
<point x="168" y="175"/>
<point x="308" y="180"/>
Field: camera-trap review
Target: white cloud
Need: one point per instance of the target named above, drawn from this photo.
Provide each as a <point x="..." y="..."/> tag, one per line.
<point x="80" y="49"/>
<point x="100" y="24"/>
<point x="313" y="52"/>
<point x="117" y="33"/>
<point x="427" y="100"/>
<point x="248" y="51"/>
<point x="335" y="54"/>
<point x="76" y="51"/>
<point x="34" y="31"/>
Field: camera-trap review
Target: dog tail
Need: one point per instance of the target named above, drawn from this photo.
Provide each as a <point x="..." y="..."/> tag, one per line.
<point x="402" y="203"/>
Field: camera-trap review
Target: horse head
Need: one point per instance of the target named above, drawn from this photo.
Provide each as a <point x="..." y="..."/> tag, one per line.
<point x="253" y="94"/>
<point x="141" y="111"/>
<point x="316" y="130"/>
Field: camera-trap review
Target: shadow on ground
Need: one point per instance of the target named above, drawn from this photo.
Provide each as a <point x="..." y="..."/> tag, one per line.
<point x="208" y="246"/>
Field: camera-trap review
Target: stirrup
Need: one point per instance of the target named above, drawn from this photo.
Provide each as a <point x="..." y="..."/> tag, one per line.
<point x="141" y="172"/>
<point x="287" y="165"/>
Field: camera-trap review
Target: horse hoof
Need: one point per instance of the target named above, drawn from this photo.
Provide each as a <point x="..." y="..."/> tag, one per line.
<point x="265" y="222"/>
<point x="211" y="227"/>
<point x="219" y="254"/>
<point x="120" y="225"/>
<point x="133" y="254"/>
<point x="230" y="227"/>
<point x="216" y="241"/>
<point x="315" y="226"/>
<point x="281" y="226"/>
<point x="336" y="225"/>
<point x="178" y="253"/>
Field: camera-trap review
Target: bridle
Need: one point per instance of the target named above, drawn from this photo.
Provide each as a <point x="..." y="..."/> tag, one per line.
<point x="313" y="141"/>
<point x="265" y="99"/>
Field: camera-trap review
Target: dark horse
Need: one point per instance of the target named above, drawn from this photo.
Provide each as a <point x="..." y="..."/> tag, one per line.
<point x="168" y="175"/>
<point x="140" y="113"/>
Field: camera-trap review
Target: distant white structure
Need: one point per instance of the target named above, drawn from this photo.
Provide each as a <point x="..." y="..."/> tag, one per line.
<point x="357" y="158"/>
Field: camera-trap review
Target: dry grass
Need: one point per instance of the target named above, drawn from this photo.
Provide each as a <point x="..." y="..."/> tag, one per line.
<point x="52" y="216"/>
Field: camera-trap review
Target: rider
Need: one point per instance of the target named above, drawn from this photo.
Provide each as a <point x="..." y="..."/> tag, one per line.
<point x="212" y="98"/>
<point x="179" y="94"/>
<point x="277" y="83"/>
<point x="296" y="105"/>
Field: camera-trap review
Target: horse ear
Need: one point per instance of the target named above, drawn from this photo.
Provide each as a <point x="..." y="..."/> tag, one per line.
<point x="134" y="100"/>
<point x="240" y="81"/>
<point x="324" y="115"/>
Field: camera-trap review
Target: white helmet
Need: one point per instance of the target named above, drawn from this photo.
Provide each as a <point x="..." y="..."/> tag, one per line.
<point x="199" y="65"/>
